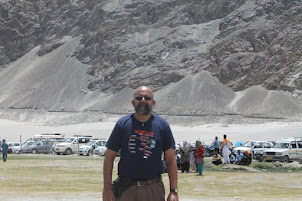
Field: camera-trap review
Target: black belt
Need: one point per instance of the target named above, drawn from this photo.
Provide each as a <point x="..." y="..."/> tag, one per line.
<point x="143" y="182"/>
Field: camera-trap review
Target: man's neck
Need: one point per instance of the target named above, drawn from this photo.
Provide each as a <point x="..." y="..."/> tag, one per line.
<point x="142" y="118"/>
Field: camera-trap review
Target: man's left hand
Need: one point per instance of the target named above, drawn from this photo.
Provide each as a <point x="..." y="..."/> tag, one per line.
<point x="172" y="197"/>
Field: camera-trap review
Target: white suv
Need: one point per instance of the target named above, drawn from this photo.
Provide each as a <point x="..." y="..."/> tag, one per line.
<point x="71" y="145"/>
<point x="286" y="149"/>
<point x="259" y="148"/>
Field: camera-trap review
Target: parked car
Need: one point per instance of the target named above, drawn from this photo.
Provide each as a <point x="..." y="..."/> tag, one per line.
<point x="11" y="146"/>
<point x="100" y="150"/>
<point x="41" y="147"/>
<point x="259" y="148"/>
<point x="24" y="148"/>
<point x="90" y="147"/>
<point x="246" y="146"/>
<point x="285" y="149"/>
<point x="256" y="148"/>
<point x="71" y="145"/>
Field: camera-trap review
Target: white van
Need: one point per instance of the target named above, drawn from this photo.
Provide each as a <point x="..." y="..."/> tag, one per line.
<point x="71" y="145"/>
<point x="55" y="137"/>
<point x="286" y="149"/>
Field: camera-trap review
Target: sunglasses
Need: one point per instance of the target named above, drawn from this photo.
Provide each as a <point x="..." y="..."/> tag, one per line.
<point x="139" y="98"/>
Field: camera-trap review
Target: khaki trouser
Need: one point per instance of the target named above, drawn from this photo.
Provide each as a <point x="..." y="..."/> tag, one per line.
<point x="152" y="192"/>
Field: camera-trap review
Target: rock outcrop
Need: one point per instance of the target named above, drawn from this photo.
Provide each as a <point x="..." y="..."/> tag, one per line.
<point x="119" y="45"/>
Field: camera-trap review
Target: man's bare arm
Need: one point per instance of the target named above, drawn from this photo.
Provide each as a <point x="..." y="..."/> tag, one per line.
<point x="107" y="175"/>
<point x="170" y="159"/>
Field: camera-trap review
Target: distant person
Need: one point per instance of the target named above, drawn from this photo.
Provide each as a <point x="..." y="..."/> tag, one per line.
<point x="192" y="161"/>
<point x="232" y="158"/>
<point x="199" y="153"/>
<point x="225" y="149"/>
<point x="216" y="143"/>
<point x="246" y="159"/>
<point x="239" y="157"/>
<point x="178" y="161"/>
<point x="4" y="147"/>
<point x="217" y="160"/>
<point x="185" y="151"/>
<point x="142" y="137"/>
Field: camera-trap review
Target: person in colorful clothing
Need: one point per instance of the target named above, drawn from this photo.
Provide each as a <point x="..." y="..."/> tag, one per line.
<point x="142" y="137"/>
<point x="4" y="147"/>
<point x="199" y="154"/>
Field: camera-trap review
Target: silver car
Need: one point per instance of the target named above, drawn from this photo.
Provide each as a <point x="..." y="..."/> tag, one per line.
<point x="88" y="149"/>
<point x="100" y="150"/>
<point x="39" y="147"/>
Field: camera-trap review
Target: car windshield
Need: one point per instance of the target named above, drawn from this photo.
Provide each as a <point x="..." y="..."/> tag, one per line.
<point x="282" y="145"/>
<point x="90" y="143"/>
<point x="248" y="144"/>
<point x="102" y="143"/>
<point x="69" y="140"/>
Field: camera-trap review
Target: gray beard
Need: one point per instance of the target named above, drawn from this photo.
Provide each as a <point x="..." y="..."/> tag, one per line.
<point x="142" y="110"/>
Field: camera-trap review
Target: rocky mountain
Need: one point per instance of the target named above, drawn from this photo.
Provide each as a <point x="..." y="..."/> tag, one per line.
<point x="207" y="57"/>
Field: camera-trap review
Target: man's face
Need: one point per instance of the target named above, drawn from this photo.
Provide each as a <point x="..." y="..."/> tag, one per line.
<point x="143" y="101"/>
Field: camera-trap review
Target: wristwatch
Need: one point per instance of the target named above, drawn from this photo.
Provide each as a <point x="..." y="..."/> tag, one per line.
<point x="174" y="191"/>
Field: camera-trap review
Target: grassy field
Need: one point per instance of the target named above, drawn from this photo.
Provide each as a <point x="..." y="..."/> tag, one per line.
<point x="50" y="177"/>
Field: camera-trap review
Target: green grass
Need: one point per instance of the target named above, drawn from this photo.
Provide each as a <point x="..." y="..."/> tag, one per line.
<point x="51" y="174"/>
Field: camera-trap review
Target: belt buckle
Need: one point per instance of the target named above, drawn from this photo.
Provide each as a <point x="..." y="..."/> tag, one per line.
<point x="138" y="183"/>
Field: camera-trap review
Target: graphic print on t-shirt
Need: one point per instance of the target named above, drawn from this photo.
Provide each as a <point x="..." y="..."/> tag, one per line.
<point x="142" y="141"/>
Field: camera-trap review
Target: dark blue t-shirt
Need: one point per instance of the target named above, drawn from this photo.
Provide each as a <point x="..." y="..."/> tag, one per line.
<point x="142" y="145"/>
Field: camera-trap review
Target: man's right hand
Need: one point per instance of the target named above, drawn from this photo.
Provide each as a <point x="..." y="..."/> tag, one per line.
<point x="108" y="195"/>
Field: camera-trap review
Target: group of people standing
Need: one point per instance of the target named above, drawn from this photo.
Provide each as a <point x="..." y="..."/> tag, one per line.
<point x="191" y="156"/>
<point x="223" y="147"/>
<point x="194" y="156"/>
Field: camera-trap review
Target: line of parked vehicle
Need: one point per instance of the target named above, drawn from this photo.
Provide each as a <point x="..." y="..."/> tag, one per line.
<point x="285" y="149"/>
<point x="47" y="144"/>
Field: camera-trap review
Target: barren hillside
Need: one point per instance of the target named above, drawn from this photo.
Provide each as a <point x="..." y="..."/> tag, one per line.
<point x="217" y="59"/>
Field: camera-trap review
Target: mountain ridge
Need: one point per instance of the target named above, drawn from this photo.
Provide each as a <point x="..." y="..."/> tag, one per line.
<point x="78" y="55"/>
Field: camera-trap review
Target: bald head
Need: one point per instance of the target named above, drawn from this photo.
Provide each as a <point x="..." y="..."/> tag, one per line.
<point x="143" y="89"/>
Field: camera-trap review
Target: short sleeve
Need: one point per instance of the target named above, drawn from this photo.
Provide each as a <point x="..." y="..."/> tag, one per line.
<point x="114" y="141"/>
<point x="169" y="141"/>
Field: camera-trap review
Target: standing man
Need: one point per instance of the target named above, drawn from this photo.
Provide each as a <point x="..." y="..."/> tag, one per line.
<point x="4" y="150"/>
<point x="225" y="149"/>
<point x="216" y="144"/>
<point x="142" y="137"/>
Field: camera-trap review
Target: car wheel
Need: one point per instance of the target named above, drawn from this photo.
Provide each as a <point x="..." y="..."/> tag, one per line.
<point x="20" y="152"/>
<point x="68" y="151"/>
<point x="286" y="159"/>
<point x="34" y="151"/>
